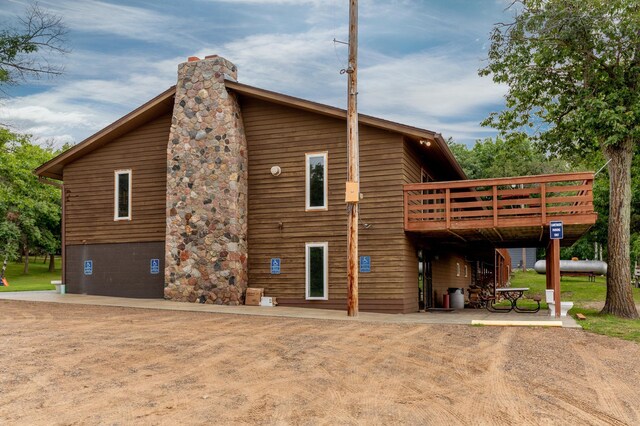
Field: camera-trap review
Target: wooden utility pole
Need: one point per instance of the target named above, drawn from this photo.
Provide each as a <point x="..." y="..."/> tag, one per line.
<point x="353" y="172"/>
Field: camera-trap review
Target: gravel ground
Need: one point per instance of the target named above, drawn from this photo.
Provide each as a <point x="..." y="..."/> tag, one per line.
<point x="71" y="364"/>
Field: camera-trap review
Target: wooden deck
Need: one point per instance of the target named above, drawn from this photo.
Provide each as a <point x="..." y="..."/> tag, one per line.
<point x="512" y="211"/>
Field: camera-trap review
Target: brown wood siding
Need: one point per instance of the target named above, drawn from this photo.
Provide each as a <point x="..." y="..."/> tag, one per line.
<point x="411" y="172"/>
<point x="278" y="135"/>
<point x="444" y="273"/>
<point x="89" y="182"/>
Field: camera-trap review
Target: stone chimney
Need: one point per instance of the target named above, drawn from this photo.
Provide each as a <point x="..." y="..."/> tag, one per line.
<point x="206" y="236"/>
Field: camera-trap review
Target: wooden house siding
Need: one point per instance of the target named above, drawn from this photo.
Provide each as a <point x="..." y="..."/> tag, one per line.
<point x="412" y="164"/>
<point x="89" y="184"/>
<point x="445" y="273"/>
<point x="279" y="226"/>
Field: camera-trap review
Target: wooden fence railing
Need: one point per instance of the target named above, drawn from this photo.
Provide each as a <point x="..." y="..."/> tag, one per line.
<point x="496" y="203"/>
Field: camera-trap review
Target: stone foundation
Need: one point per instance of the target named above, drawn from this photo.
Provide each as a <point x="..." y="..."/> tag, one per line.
<point x="206" y="236"/>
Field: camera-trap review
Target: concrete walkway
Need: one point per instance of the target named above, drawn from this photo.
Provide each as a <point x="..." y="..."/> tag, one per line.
<point x="464" y="317"/>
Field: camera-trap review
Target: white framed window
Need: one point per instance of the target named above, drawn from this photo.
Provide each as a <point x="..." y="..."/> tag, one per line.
<point x="122" y="195"/>
<point x="317" y="271"/>
<point x="316" y="181"/>
<point x="466" y="271"/>
<point x="457" y="269"/>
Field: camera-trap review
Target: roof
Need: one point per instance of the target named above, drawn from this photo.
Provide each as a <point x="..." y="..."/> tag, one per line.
<point x="164" y="103"/>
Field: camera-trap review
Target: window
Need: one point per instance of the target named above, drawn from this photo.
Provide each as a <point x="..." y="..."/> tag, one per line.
<point x="122" y="204"/>
<point x="316" y="181"/>
<point x="317" y="267"/>
<point x="457" y="269"/>
<point x="466" y="271"/>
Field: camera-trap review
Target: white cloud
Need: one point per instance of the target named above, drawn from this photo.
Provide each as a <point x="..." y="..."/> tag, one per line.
<point x="108" y="18"/>
<point x="432" y="88"/>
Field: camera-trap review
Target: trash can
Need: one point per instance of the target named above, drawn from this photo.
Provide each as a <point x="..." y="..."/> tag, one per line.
<point x="456" y="297"/>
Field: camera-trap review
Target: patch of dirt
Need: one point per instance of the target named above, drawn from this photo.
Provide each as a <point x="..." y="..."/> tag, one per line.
<point x="71" y="364"/>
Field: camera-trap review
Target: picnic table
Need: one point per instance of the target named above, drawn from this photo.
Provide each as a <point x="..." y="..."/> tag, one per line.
<point x="512" y="294"/>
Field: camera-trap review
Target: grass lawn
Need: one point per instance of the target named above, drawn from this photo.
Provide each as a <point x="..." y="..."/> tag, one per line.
<point x="583" y="293"/>
<point x="38" y="278"/>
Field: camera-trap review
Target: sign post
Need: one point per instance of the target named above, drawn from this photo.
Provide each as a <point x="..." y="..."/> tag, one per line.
<point x="556" y="233"/>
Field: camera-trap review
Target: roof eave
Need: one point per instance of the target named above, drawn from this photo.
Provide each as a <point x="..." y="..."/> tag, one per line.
<point x="53" y="168"/>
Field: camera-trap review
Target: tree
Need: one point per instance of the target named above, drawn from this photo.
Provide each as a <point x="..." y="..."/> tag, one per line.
<point x="29" y="211"/>
<point x="24" y="49"/>
<point x="499" y="157"/>
<point x="573" y="73"/>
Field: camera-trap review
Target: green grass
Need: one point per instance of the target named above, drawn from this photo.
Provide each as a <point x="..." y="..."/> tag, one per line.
<point x="38" y="278"/>
<point x="583" y="293"/>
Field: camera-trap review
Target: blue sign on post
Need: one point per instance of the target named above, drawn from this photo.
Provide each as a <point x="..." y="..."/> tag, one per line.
<point x="556" y="230"/>
<point x="275" y="265"/>
<point x="365" y="263"/>
<point x="88" y="267"/>
<point x="155" y="266"/>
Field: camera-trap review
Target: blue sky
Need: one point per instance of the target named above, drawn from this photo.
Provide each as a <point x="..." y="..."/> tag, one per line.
<point x="418" y="60"/>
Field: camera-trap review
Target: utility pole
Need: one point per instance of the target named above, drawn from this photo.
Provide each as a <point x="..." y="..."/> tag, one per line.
<point x="352" y="194"/>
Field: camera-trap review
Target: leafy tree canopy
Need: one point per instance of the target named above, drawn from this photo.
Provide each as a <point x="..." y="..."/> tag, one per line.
<point x="573" y="72"/>
<point x="29" y="211"/>
<point x="500" y="157"/>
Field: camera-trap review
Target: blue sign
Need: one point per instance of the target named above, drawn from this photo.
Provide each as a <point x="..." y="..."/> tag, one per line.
<point x="556" y="230"/>
<point x="275" y="265"/>
<point x="365" y="263"/>
<point x="155" y="266"/>
<point x="88" y="267"/>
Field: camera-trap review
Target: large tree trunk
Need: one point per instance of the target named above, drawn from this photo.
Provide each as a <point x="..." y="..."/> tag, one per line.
<point x="26" y="259"/>
<point x="619" y="294"/>
<point x="52" y="262"/>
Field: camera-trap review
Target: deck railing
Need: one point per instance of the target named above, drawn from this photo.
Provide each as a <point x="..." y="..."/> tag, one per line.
<point x="496" y="203"/>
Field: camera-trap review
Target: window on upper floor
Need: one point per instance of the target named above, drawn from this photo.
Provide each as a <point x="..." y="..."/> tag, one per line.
<point x="316" y="181"/>
<point x="122" y="201"/>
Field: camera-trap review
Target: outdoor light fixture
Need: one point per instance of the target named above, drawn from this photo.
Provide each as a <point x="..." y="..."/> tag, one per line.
<point x="425" y="143"/>
<point x="276" y="170"/>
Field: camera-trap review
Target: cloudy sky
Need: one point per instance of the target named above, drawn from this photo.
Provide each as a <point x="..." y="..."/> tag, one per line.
<point x="418" y="59"/>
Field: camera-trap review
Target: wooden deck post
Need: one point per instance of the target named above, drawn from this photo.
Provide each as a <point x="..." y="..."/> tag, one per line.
<point x="543" y="203"/>
<point x="447" y="207"/>
<point x="555" y="278"/>
<point x="495" y="206"/>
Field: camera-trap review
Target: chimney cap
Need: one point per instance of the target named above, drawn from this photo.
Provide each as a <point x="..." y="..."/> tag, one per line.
<point x="211" y="56"/>
<point x="192" y="59"/>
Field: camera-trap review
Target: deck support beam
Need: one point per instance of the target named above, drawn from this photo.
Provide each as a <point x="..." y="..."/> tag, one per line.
<point x="553" y="273"/>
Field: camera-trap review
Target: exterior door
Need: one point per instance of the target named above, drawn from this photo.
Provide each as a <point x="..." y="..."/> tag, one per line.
<point x="425" y="282"/>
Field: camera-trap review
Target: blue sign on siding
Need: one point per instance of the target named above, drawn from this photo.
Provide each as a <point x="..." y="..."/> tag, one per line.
<point x="275" y="265"/>
<point x="365" y="263"/>
<point x="155" y="266"/>
<point x="88" y="267"/>
<point x="556" y="230"/>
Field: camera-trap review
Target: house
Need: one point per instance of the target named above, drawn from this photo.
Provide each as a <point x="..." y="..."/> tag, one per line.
<point x="213" y="186"/>
<point x="518" y="254"/>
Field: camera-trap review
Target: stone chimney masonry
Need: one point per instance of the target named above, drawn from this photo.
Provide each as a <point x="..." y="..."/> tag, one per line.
<point x="206" y="235"/>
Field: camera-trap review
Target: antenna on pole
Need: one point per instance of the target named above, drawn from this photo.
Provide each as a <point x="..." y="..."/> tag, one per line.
<point x="352" y="194"/>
